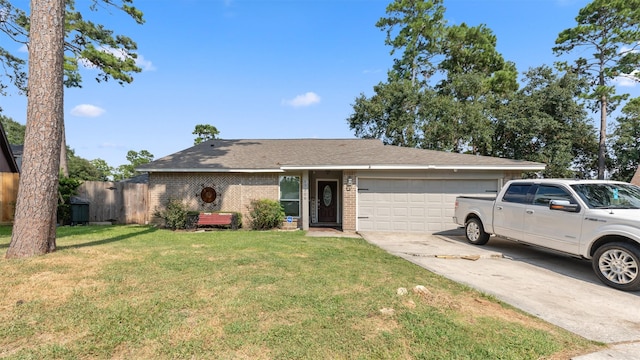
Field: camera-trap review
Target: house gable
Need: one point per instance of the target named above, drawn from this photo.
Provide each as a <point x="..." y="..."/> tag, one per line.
<point x="7" y="161"/>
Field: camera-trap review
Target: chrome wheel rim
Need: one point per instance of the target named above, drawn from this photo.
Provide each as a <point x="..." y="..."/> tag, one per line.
<point x="618" y="266"/>
<point x="473" y="231"/>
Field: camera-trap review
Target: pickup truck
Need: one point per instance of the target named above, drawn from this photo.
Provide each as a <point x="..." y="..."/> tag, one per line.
<point x="597" y="220"/>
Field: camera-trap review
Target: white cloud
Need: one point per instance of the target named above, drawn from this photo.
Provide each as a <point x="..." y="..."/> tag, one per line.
<point x="626" y="49"/>
<point x="144" y="64"/>
<point x="86" y="110"/>
<point x="627" y="80"/>
<point x="306" y="99"/>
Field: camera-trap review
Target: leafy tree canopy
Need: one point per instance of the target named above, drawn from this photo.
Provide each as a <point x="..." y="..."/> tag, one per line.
<point x="13" y="129"/>
<point x="543" y="122"/>
<point x="81" y="168"/>
<point x="606" y="38"/>
<point x="204" y="133"/>
<point x="135" y="159"/>
<point x="105" y="171"/>
<point x="443" y="86"/>
<point x="625" y="143"/>
<point x="87" y="44"/>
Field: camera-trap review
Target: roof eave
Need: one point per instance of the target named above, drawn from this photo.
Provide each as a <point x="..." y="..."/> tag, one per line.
<point x="529" y="167"/>
<point x="206" y="170"/>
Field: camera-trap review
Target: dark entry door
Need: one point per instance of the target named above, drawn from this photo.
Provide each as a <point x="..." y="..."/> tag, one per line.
<point x="327" y="200"/>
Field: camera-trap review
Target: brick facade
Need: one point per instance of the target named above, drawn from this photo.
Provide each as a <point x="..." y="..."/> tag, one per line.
<point x="234" y="191"/>
<point x="636" y="177"/>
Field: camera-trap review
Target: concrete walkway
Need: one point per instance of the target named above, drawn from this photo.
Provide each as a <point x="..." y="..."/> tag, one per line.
<point x="558" y="289"/>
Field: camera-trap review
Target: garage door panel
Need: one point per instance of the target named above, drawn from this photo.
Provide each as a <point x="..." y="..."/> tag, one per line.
<point x="415" y="205"/>
<point x="402" y="212"/>
<point x="402" y="198"/>
<point x="434" y="213"/>
<point x="400" y="226"/>
<point x="366" y="210"/>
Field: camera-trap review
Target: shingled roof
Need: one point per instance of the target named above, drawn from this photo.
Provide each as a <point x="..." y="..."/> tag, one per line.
<point x="272" y="155"/>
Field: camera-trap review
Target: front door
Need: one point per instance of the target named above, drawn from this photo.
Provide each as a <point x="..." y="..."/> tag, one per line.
<point x="327" y="201"/>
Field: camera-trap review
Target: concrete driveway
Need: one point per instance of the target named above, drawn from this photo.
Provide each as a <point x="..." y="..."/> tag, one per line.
<point x="559" y="289"/>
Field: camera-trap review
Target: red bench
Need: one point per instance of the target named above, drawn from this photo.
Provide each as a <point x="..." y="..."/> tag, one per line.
<point x="215" y="219"/>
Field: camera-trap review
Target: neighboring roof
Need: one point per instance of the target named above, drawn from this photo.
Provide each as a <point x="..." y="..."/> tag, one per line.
<point x="17" y="150"/>
<point x="320" y="154"/>
<point x="138" y="179"/>
<point x="8" y="162"/>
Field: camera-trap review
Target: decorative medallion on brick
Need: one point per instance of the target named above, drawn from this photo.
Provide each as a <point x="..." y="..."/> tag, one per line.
<point x="208" y="194"/>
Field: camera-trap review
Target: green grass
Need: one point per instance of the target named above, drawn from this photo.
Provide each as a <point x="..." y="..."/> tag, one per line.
<point x="140" y="292"/>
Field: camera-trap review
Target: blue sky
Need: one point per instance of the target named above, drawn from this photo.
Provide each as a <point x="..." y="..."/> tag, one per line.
<point x="265" y="68"/>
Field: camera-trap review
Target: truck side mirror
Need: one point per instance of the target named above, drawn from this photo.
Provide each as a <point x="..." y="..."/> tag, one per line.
<point x="563" y="205"/>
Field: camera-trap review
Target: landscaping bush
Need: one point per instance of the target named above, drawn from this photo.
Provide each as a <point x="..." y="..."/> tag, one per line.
<point x="266" y="214"/>
<point x="236" y="220"/>
<point x="67" y="187"/>
<point x="174" y="214"/>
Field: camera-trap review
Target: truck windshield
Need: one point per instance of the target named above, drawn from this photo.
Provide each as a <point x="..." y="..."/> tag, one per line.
<point x="609" y="196"/>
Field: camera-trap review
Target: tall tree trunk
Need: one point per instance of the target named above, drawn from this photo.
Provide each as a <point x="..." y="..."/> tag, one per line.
<point x="34" y="222"/>
<point x="602" y="146"/>
<point x="64" y="166"/>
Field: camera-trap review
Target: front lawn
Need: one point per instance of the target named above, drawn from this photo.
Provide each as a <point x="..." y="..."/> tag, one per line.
<point x="136" y="292"/>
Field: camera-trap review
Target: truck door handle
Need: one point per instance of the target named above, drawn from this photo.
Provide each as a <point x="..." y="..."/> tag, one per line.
<point x="498" y="207"/>
<point x="530" y="211"/>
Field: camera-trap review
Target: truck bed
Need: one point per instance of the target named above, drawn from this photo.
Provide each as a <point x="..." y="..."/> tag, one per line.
<point x="488" y="198"/>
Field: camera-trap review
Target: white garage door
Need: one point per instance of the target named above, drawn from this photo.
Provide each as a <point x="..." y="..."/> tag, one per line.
<point x="414" y="205"/>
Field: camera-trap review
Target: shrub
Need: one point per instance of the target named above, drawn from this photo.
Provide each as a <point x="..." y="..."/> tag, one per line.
<point x="266" y="214"/>
<point x="67" y="187"/>
<point x="174" y="214"/>
<point x="236" y="220"/>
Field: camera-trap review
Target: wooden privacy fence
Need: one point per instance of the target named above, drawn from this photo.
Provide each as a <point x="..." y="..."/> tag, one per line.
<point x="117" y="202"/>
<point x="8" y="196"/>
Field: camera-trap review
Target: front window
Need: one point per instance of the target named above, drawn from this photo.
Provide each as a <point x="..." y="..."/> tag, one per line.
<point x="290" y="195"/>
<point x="546" y="193"/>
<point x="609" y="195"/>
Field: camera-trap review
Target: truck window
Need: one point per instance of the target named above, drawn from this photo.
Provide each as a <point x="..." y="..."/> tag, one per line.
<point x="546" y="193"/>
<point x="517" y="193"/>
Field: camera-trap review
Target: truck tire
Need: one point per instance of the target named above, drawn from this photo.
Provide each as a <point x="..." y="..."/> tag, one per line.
<point x="617" y="265"/>
<point x="474" y="232"/>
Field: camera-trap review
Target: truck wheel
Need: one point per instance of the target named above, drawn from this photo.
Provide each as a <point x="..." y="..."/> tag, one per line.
<point x="475" y="232"/>
<point x="617" y="265"/>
